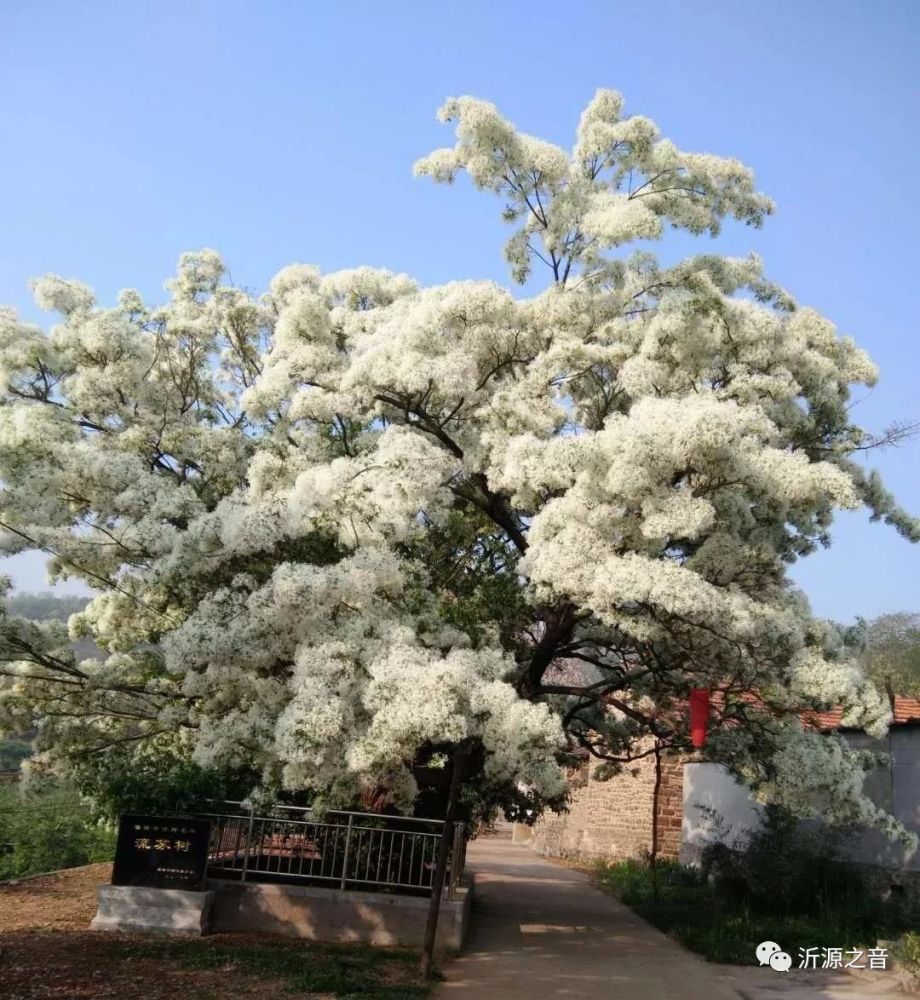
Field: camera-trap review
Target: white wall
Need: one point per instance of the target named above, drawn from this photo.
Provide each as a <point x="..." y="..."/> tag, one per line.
<point x="896" y="789"/>
<point x="710" y="786"/>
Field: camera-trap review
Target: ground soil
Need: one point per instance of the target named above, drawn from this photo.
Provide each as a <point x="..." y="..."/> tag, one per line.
<point x="64" y="901"/>
<point x="47" y="952"/>
<point x="82" y="965"/>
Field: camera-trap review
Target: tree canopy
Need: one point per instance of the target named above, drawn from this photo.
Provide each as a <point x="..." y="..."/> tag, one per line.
<point x="354" y="520"/>
<point x="889" y="648"/>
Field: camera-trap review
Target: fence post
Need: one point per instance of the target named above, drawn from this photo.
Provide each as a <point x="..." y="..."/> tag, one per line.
<point x="248" y="845"/>
<point x="347" y="845"/>
<point x="456" y="861"/>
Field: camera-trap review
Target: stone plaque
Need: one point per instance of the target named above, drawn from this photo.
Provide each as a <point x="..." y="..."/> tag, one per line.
<point x="162" y="852"/>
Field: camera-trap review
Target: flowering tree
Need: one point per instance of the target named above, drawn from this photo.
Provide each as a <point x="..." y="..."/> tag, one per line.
<point x="355" y="519"/>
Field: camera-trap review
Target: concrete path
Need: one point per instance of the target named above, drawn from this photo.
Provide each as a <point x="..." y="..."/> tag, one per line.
<point x="540" y="930"/>
<point x="754" y="983"/>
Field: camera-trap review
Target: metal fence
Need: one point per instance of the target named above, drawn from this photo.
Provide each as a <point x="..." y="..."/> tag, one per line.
<point x="350" y="850"/>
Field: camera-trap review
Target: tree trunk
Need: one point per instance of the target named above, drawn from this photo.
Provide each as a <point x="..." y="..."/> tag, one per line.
<point x="461" y="754"/>
<point x="653" y="854"/>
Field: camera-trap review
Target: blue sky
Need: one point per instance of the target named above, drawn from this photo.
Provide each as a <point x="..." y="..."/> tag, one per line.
<point x="280" y="132"/>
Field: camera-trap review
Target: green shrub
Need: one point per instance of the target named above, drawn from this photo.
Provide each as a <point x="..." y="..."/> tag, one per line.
<point x="156" y="777"/>
<point x="48" y="829"/>
<point x="781" y="883"/>
<point x="907" y="952"/>
<point x="631" y="881"/>
<point x="787" y="867"/>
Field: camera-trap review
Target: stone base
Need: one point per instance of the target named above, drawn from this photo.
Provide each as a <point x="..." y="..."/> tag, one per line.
<point x="331" y="915"/>
<point x="167" y="911"/>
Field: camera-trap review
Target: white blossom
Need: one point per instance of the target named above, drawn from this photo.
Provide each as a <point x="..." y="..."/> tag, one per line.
<point x="354" y="519"/>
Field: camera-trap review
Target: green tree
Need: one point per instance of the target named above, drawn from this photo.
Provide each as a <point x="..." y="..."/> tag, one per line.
<point x="891" y="652"/>
<point x="43" y="607"/>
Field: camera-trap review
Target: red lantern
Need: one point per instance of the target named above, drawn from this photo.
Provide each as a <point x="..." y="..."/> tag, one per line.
<point x="699" y="716"/>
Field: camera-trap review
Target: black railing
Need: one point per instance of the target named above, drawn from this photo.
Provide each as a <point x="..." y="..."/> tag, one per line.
<point x="345" y="850"/>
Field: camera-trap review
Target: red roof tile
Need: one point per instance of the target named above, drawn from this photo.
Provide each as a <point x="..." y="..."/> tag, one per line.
<point x="906" y="710"/>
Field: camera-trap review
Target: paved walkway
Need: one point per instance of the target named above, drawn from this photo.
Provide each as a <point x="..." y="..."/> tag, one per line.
<point x="540" y="931"/>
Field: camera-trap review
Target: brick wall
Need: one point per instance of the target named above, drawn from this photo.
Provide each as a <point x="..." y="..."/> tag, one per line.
<point x="612" y="819"/>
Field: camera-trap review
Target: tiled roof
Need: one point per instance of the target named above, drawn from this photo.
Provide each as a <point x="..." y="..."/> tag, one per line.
<point x="906" y="710"/>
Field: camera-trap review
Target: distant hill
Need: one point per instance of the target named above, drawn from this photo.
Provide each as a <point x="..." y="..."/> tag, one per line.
<point x="45" y="607"/>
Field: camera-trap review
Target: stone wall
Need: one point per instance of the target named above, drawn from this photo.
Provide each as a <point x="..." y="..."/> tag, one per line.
<point x="612" y="820"/>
